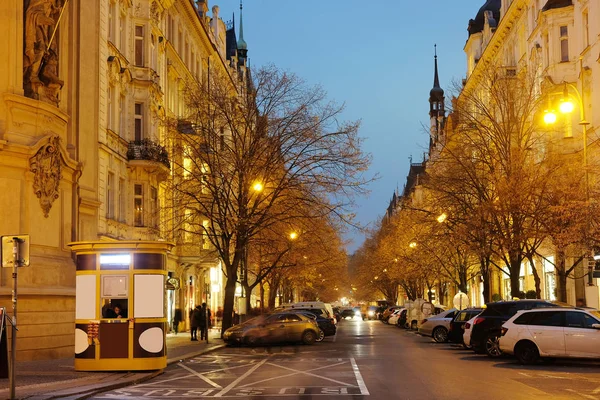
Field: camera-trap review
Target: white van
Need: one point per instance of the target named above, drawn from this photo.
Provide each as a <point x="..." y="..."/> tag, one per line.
<point x="312" y="304"/>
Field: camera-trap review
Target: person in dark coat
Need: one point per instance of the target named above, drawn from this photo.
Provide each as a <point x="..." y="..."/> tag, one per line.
<point x="195" y="322"/>
<point x="176" y="320"/>
<point x="204" y="318"/>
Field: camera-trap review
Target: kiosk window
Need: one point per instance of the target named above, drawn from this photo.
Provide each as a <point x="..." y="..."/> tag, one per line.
<point x="115" y="294"/>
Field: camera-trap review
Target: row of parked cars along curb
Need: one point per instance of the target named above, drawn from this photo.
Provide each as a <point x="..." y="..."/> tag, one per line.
<point x="528" y="329"/>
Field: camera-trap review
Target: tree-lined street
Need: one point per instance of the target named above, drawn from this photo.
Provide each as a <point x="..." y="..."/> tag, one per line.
<point x="367" y="359"/>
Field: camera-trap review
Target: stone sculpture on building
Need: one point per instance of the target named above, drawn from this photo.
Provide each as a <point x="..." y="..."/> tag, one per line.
<point x="46" y="166"/>
<point x="40" y="63"/>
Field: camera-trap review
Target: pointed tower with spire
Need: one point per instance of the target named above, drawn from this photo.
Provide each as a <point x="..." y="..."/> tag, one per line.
<point x="242" y="47"/>
<point x="437" y="110"/>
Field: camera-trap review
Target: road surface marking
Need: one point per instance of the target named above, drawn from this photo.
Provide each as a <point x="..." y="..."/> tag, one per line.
<point x="241" y="378"/>
<point x="315" y="375"/>
<point x="359" y="379"/>
<point x="188" y="376"/>
<point x="199" y="375"/>
<point x="293" y="373"/>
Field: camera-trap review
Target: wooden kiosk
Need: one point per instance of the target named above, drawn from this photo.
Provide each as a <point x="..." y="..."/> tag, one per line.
<point x="120" y="319"/>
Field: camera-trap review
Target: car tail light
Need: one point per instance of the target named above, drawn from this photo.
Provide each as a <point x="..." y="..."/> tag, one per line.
<point x="478" y="320"/>
<point x="503" y="331"/>
<point x="467" y="326"/>
<point x="425" y="320"/>
<point x="450" y="328"/>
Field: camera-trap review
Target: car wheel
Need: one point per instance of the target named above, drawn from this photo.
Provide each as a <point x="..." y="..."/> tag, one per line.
<point x="413" y="325"/>
<point x="440" y="334"/>
<point x="527" y="353"/>
<point x="492" y="346"/>
<point x="321" y="336"/>
<point x="251" y="340"/>
<point x="309" y="337"/>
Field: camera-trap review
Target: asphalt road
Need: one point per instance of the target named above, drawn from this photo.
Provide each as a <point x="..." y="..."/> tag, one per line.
<point x="366" y="360"/>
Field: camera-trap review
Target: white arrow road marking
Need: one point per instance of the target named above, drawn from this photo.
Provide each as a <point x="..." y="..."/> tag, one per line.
<point x="199" y="375"/>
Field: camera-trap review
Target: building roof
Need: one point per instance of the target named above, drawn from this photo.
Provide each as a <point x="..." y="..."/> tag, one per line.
<point x="476" y="25"/>
<point x="551" y="4"/>
<point x="231" y="40"/>
<point x="436" y="93"/>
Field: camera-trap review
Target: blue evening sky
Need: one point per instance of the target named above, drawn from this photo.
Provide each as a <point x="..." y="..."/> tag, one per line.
<point x="376" y="56"/>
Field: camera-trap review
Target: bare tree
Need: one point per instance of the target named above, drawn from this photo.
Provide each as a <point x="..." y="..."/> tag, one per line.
<point x="247" y="159"/>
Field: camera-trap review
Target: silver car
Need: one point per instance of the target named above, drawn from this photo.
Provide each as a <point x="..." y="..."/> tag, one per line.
<point x="438" y="325"/>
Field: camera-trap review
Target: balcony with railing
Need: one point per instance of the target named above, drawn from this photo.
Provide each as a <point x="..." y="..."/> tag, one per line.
<point x="147" y="150"/>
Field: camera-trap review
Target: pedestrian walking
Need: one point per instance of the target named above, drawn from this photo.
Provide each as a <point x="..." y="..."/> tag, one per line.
<point x="176" y="320"/>
<point x="195" y="322"/>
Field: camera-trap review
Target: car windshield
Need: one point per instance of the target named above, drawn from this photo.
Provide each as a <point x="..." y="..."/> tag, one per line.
<point x="595" y="313"/>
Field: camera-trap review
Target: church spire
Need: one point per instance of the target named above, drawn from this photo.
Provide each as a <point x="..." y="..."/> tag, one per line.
<point x="436" y="95"/>
<point x="241" y="44"/>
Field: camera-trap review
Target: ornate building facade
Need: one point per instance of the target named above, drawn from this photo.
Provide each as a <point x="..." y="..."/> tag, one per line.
<point x="83" y="152"/>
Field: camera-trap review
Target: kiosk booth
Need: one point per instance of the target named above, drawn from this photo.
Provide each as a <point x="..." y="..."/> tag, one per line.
<point x="120" y="318"/>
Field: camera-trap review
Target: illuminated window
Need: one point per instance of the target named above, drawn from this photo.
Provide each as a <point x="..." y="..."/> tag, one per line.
<point x="187" y="226"/>
<point x="110" y="195"/>
<point x="121" y="205"/>
<point x="564" y="43"/>
<point x="138" y="205"/>
<point x="154" y="206"/>
<point x="139" y="122"/>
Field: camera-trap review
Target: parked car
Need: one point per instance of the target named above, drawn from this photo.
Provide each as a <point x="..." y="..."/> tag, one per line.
<point x="552" y="332"/>
<point x="401" y="323"/>
<point x="326" y="325"/>
<point x="487" y="326"/>
<point x="380" y="311"/>
<point x="456" y="329"/>
<point x="274" y="328"/>
<point x="388" y="312"/>
<point x="347" y="313"/>
<point x="337" y="314"/>
<point x="438" y="325"/>
<point x="311" y="305"/>
<point x="393" y="319"/>
<point x="467" y="335"/>
<point x="415" y="312"/>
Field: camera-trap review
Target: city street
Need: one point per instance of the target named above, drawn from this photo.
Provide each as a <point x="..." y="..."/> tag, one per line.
<point x="366" y="359"/>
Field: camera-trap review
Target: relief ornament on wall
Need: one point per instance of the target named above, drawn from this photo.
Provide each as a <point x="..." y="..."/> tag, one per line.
<point x="46" y="166"/>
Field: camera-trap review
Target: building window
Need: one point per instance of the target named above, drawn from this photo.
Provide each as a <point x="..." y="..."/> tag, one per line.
<point x="139" y="45"/>
<point x="138" y="205"/>
<point x="204" y="171"/>
<point x="121" y="200"/>
<point x="154" y="206"/>
<point x="111" y="21"/>
<point x="564" y="43"/>
<point x="222" y="139"/>
<point x="109" y="108"/>
<point x="586" y="29"/>
<point x="139" y="122"/>
<point x="110" y="196"/>
<point x="122" y="121"/>
<point x="122" y="33"/>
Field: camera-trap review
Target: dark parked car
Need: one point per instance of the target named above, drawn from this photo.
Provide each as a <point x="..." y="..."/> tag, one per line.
<point x="486" y="330"/>
<point x="457" y="326"/>
<point x="326" y="325"/>
<point x="347" y="313"/>
<point x="379" y="312"/>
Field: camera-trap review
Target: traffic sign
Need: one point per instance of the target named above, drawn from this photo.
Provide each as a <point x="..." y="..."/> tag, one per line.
<point x="8" y="250"/>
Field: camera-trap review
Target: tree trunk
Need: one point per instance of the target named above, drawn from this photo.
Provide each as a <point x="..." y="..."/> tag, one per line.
<point x="262" y="297"/>
<point x="487" y="285"/>
<point x="561" y="275"/>
<point x="228" y="302"/>
<point x="515" y="270"/>
<point x="536" y="278"/>
<point x="462" y="279"/>
<point x="248" y="291"/>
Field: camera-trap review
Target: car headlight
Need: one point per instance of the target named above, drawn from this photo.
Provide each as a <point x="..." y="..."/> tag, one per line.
<point x="371" y="313"/>
<point x="357" y="313"/>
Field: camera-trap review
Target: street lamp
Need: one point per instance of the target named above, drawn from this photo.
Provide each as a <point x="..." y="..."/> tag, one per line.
<point x="442" y="217"/>
<point x="257" y="187"/>
<point x="570" y="93"/>
<point x="293" y="236"/>
<point x="412" y="245"/>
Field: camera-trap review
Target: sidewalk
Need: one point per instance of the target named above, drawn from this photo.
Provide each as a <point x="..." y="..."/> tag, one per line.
<point x="57" y="379"/>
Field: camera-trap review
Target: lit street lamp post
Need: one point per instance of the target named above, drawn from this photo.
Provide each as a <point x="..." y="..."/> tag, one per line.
<point x="566" y="107"/>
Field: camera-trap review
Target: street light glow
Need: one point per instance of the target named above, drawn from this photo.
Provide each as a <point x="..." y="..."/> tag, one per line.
<point x="258" y="187"/>
<point x="293" y="235"/>
<point x="549" y="117"/>
<point x="566" y="106"/>
<point x="412" y="245"/>
<point x="442" y="217"/>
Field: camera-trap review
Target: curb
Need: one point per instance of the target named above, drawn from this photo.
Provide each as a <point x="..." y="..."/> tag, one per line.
<point x="84" y="392"/>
